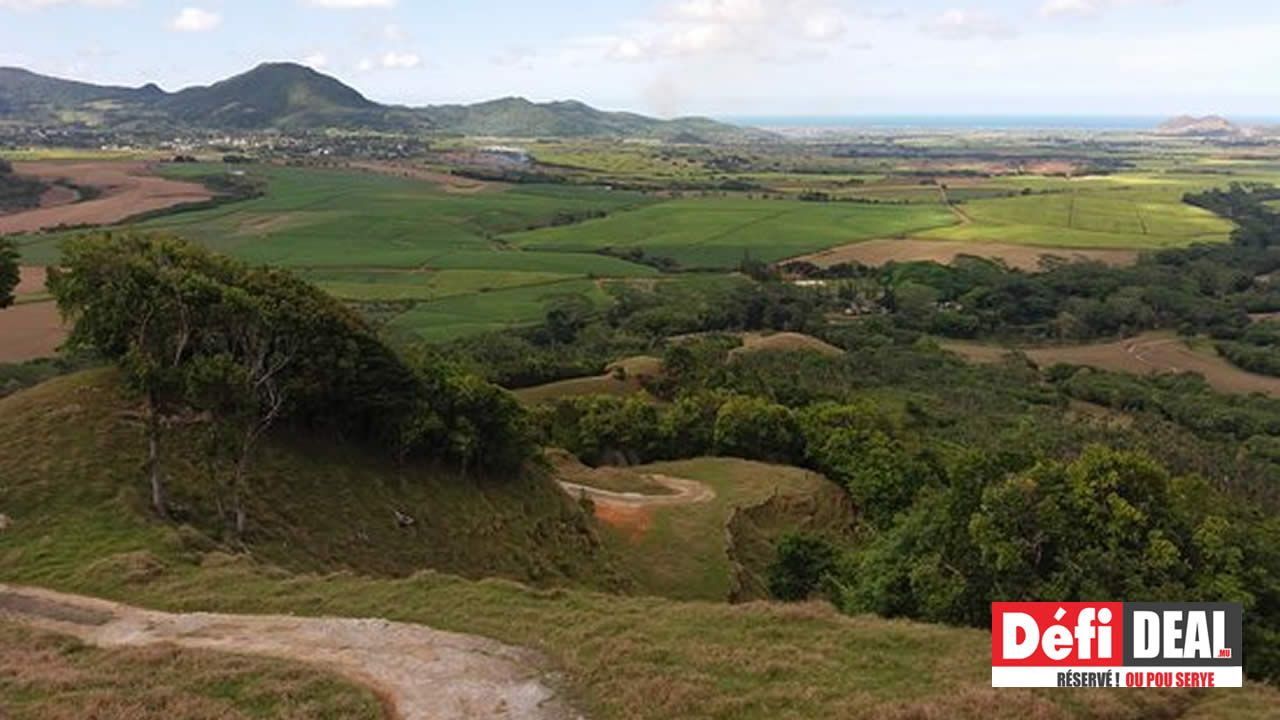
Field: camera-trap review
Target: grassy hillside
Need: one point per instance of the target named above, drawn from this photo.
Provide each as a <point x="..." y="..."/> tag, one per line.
<point x="44" y="676"/>
<point x="316" y="506"/>
<point x="69" y="466"/>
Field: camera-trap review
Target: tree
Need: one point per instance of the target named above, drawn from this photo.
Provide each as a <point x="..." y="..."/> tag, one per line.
<point x="804" y="561"/>
<point x="142" y="301"/>
<point x="9" y="273"/>
<point x="756" y="429"/>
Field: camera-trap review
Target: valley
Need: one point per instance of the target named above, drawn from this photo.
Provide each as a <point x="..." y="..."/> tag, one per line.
<point x="316" y="406"/>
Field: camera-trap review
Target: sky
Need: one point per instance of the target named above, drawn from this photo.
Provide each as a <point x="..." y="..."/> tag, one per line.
<point x="722" y="58"/>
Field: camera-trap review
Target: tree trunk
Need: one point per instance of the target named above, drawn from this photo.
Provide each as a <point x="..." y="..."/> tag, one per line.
<point x="158" y="501"/>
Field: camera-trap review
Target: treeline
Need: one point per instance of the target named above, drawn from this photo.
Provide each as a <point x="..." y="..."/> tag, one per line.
<point x="254" y="349"/>
<point x="1208" y="289"/>
<point x="577" y="339"/>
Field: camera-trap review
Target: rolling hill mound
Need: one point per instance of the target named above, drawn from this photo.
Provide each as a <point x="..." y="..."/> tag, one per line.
<point x="291" y="96"/>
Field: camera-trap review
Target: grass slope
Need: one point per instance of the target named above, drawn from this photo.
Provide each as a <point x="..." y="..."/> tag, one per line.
<point x="44" y="676"/>
<point x="77" y="527"/>
<point x="316" y="505"/>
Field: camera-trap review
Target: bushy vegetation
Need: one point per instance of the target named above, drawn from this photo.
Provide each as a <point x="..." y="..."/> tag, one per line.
<point x="18" y="192"/>
<point x="9" y="272"/>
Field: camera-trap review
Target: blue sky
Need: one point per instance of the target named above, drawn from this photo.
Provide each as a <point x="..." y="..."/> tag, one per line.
<point x="718" y="57"/>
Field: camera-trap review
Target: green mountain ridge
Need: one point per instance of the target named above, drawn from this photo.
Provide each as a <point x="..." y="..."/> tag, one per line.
<point x="289" y="96"/>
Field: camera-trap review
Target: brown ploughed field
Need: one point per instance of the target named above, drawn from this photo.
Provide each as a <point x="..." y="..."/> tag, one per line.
<point x="127" y="190"/>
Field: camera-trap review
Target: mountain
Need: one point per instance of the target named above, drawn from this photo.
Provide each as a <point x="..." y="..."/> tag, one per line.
<point x="271" y="95"/>
<point x="290" y="96"/>
<point x="518" y="117"/>
<point x="1191" y="126"/>
<point x="24" y="94"/>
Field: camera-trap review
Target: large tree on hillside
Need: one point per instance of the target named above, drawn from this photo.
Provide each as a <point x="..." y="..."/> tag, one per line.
<point x="144" y="302"/>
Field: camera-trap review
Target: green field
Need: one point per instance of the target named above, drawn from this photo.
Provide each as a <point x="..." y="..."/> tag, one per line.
<point x="374" y="238"/>
<point x="468" y="314"/>
<point x="720" y="232"/>
<point x="1123" y="211"/>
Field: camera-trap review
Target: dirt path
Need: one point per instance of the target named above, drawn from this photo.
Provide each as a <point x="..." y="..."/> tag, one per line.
<point x="684" y="492"/>
<point x="425" y="674"/>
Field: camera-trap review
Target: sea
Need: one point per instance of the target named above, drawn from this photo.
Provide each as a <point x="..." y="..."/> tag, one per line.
<point x="1093" y="123"/>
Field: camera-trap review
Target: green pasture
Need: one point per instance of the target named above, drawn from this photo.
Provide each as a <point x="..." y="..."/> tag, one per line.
<point x="1121" y="211"/>
<point x="720" y="232"/>
<point x="393" y="285"/>
<point x="484" y="311"/>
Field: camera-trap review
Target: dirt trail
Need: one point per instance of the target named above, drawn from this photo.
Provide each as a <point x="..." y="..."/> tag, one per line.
<point x="685" y="492"/>
<point x="425" y="674"/>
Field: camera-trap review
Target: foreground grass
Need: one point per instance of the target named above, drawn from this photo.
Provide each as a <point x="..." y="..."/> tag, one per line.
<point x="73" y="489"/>
<point x="44" y="676"/>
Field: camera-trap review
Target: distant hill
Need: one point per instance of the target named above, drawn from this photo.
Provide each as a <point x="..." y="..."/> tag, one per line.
<point x="292" y="96"/>
<point x="1207" y="126"/>
<point x="270" y="95"/>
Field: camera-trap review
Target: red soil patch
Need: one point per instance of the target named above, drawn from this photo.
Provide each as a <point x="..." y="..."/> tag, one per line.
<point x="31" y="280"/>
<point x="127" y="190"/>
<point x="30" y="331"/>
<point x="631" y="519"/>
<point x="1023" y="257"/>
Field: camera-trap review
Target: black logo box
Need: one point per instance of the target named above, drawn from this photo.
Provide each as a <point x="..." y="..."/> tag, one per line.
<point x="1234" y="634"/>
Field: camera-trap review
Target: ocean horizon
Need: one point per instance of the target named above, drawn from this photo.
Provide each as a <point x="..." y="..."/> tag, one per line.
<point x="967" y="122"/>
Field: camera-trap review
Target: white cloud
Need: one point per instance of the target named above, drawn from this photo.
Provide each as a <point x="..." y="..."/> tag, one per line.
<point x="316" y="60"/>
<point x="1090" y="8"/>
<point x="961" y="24"/>
<point x="40" y="4"/>
<point x="1055" y="8"/>
<point x="365" y="65"/>
<point x="392" y="32"/>
<point x="351" y="4"/>
<point x="400" y="61"/>
<point x="193" y="19"/>
<point x="772" y="29"/>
